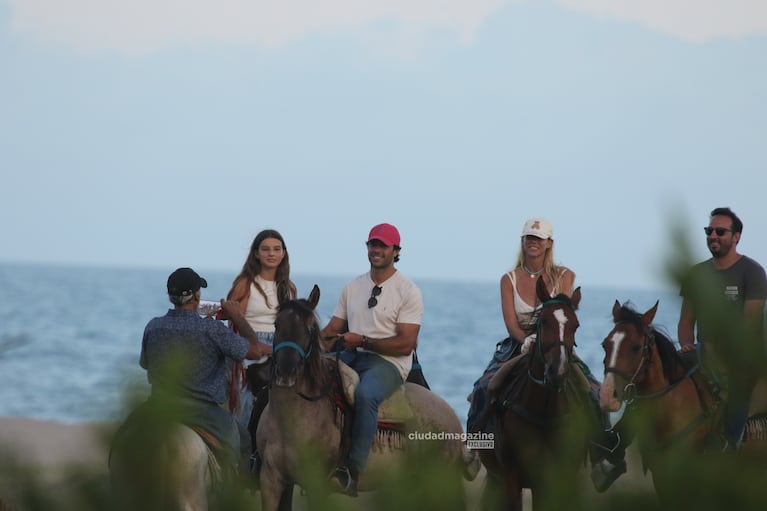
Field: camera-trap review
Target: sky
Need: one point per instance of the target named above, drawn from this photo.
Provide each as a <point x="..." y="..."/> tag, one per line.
<point x="162" y="133"/>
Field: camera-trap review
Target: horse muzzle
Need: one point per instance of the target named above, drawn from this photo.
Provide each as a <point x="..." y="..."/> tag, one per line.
<point x="609" y="401"/>
<point x="285" y="380"/>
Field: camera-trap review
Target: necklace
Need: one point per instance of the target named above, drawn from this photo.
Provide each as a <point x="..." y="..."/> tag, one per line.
<point x="532" y="274"/>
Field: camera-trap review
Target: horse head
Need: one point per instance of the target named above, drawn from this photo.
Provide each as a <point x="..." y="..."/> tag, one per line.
<point x="555" y="335"/>
<point x="628" y="350"/>
<point x="296" y="349"/>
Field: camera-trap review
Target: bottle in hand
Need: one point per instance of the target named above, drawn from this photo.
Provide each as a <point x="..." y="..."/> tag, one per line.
<point x="209" y="309"/>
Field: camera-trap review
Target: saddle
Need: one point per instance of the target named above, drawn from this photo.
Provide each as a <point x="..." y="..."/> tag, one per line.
<point x="506" y="384"/>
<point x="394" y="410"/>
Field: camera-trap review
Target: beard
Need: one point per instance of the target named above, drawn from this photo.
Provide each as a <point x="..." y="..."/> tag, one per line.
<point x="719" y="249"/>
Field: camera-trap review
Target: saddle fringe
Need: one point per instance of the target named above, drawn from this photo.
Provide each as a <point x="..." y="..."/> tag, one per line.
<point x="756" y="428"/>
<point x="386" y="438"/>
<point x="389" y="439"/>
<point x="214" y="467"/>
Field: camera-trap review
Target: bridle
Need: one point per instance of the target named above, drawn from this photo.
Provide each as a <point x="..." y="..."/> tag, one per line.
<point x="630" y="391"/>
<point x="539" y="352"/>
<point x="631" y="394"/>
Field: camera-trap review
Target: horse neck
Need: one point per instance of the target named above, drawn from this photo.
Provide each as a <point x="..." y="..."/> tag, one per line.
<point x="655" y="379"/>
<point x="290" y="403"/>
<point x="543" y="399"/>
<point x="680" y="405"/>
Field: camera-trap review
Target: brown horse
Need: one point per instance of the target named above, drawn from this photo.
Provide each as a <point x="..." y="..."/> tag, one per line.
<point x="300" y="433"/>
<point x="680" y="410"/>
<point x="542" y="420"/>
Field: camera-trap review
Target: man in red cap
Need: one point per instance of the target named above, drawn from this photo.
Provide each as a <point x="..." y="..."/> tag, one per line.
<point x="377" y="319"/>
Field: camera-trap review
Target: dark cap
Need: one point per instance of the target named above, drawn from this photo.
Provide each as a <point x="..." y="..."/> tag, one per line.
<point x="184" y="282"/>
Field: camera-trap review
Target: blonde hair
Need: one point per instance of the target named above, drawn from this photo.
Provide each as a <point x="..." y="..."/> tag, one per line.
<point x="551" y="269"/>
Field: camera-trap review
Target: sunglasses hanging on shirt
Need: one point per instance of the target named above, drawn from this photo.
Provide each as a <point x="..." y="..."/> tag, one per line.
<point x="373" y="301"/>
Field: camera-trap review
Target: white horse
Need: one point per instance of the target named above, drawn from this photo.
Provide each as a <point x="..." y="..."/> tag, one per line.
<point x="169" y="471"/>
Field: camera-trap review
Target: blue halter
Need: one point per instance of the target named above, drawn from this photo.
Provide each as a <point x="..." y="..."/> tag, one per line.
<point x="293" y="345"/>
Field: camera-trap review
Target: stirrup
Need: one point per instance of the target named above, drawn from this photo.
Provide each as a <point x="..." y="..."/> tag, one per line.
<point x="610" y="452"/>
<point x="604" y="474"/>
<point x="343" y="482"/>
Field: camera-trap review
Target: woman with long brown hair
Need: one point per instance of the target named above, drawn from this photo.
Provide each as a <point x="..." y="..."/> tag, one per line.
<point x="260" y="288"/>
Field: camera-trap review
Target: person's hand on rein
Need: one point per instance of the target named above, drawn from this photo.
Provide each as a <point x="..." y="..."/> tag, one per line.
<point x="527" y="344"/>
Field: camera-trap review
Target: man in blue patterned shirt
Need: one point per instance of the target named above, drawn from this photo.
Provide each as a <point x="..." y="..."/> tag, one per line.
<point x="185" y="358"/>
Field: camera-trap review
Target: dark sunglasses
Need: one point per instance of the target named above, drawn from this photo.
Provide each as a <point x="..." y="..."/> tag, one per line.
<point x="718" y="230"/>
<point x="373" y="300"/>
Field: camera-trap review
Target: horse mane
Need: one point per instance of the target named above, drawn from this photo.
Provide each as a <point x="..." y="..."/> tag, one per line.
<point x="314" y="369"/>
<point x="567" y="299"/>
<point x="561" y="297"/>
<point x="669" y="357"/>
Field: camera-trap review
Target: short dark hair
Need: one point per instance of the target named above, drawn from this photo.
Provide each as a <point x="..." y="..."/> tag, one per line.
<point x="737" y="225"/>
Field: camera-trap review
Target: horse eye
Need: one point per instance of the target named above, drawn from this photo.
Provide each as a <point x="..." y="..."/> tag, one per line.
<point x="636" y="349"/>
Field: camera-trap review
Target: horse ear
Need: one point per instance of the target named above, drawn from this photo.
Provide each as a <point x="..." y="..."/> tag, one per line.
<point x="576" y="298"/>
<point x="314" y="296"/>
<point x="616" y="310"/>
<point x="648" y="316"/>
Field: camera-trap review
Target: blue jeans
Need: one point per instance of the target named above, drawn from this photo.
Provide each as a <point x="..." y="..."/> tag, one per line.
<point x="736" y="410"/>
<point x="378" y="380"/>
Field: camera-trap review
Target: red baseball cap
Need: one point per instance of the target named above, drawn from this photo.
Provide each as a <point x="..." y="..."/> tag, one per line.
<point x="385" y="233"/>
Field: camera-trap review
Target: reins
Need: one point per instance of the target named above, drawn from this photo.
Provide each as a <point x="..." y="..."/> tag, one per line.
<point x="539" y="351"/>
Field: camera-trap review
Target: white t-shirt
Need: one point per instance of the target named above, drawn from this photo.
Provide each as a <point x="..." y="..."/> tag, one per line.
<point x="400" y="301"/>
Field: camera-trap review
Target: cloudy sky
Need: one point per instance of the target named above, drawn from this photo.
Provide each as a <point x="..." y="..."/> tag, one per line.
<point x="167" y="133"/>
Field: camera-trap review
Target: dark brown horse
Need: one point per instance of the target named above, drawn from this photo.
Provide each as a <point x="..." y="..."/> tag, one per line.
<point x="542" y="420"/>
<point x="672" y="404"/>
<point x="300" y="432"/>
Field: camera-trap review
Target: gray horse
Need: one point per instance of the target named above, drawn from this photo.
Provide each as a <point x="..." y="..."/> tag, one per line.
<point x="300" y="434"/>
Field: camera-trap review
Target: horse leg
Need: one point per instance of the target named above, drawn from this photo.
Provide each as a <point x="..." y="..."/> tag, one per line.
<point x="501" y="495"/>
<point x="273" y="493"/>
<point x="286" y="499"/>
<point x="513" y="492"/>
<point x="492" y="493"/>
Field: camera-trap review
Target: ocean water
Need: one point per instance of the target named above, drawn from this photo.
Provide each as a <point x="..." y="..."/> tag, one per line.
<point x="70" y="336"/>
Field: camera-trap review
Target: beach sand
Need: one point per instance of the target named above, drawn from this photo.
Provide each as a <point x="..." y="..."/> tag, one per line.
<point x="57" y="460"/>
<point x="50" y="458"/>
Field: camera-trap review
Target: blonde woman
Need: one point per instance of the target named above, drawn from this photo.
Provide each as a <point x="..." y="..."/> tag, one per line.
<point x="519" y="301"/>
<point x="519" y="305"/>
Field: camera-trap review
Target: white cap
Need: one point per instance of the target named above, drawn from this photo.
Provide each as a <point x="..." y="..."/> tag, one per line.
<point x="538" y="227"/>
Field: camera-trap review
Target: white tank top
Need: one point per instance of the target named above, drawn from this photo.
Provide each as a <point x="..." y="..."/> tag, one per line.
<point x="259" y="314"/>
<point x="525" y="311"/>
